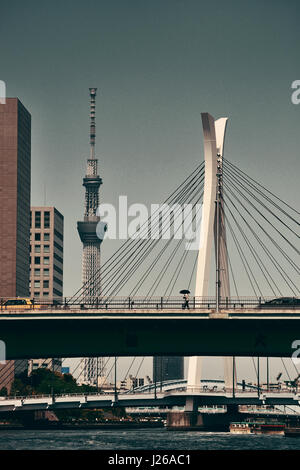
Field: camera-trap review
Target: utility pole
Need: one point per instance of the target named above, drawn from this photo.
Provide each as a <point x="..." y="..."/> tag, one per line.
<point x="258" y="388"/>
<point x="97" y="374"/>
<point x="116" y="393"/>
<point x="233" y="376"/>
<point x="154" y="379"/>
<point x="161" y="372"/>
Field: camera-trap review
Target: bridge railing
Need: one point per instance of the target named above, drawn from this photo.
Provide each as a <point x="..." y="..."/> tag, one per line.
<point x="146" y="303"/>
<point x="185" y="390"/>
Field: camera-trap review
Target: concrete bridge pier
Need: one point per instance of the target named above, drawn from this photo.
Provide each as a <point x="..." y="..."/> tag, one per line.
<point x="190" y="419"/>
<point x="187" y="419"/>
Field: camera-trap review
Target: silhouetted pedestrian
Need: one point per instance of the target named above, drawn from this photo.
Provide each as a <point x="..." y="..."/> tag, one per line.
<point x="186" y="301"/>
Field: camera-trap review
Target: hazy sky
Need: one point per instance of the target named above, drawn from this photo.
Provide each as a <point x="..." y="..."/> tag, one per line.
<point x="157" y="64"/>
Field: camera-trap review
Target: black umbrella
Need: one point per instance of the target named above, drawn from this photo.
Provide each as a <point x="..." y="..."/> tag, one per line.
<point x="184" y="291"/>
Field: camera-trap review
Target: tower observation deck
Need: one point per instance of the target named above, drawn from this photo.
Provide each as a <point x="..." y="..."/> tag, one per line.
<point x="87" y="228"/>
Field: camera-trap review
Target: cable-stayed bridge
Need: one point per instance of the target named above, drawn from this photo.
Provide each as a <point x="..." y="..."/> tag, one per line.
<point x="255" y="305"/>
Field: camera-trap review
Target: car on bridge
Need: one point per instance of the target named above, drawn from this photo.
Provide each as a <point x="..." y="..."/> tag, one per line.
<point x="282" y="302"/>
<point x="20" y="303"/>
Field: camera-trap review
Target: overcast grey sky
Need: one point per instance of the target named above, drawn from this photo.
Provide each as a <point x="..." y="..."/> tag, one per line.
<point x="157" y="64"/>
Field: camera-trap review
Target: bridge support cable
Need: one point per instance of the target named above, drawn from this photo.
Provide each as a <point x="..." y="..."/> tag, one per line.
<point x="114" y="364"/>
<point x="181" y="261"/>
<point x="295" y="367"/>
<point x="224" y="252"/>
<point x="79" y="365"/>
<point x="256" y="185"/>
<point x="172" y="199"/>
<point x="255" y="255"/>
<point x="287" y="258"/>
<point x="132" y="263"/>
<point x="248" y="270"/>
<point x="6" y="373"/>
<point x="240" y="193"/>
<point x="167" y="263"/>
<point x="294" y="265"/>
<point x="139" y="367"/>
<point x="278" y="266"/>
<point x="129" y="368"/>
<point x="142" y="254"/>
<point x="238" y="184"/>
<point x="286" y="371"/>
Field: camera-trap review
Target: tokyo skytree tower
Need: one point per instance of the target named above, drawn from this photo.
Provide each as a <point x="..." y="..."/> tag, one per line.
<point x="87" y="229"/>
<point x="91" y="366"/>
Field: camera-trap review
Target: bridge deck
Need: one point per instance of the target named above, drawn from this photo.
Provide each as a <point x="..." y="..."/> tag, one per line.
<point x="81" y="333"/>
<point x="163" y="399"/>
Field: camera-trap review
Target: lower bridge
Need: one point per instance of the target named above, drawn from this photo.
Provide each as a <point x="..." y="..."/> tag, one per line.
<point x="166" y="399"/>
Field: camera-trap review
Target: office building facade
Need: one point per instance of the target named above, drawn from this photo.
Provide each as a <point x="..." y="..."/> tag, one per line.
<point x="54" y="364"/>
<point x="15" y="166"/>
<point x="168" y="368"/>
<point x="46" y="253"/>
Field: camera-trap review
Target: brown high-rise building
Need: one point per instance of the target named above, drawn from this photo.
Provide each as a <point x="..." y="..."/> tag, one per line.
<point x="15" y="163"/>
<point x="15" y="159"/>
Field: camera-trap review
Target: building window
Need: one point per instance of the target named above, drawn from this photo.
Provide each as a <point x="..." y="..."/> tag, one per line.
<point x="37" y="272"/>
<point x="46" y="294"/>
<point x="56" y="268"/>
<point x="46" y="259"/>
<point x="36" y="294"/>
<point x="46" y="272"/>
<point x="58" y="234"/>
<point x="46" y="219"/>
<point x="59" y="247"/>
<point x="46" y="237"/>
<point x="57" y="292"/>
<point x="37" y="236"/>
<point x="37" y="219"/>
<point x="37" y="248"/>
<point x="37" y="260"/>
<point x="37" y="284"/>
<point x="46" y="284"/>
<point x="58" y="281"/>
<point x="58" y="258"/>
<point x="46" y="248"/>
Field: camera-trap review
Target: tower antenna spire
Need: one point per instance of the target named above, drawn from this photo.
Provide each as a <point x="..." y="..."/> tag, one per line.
<point x="93" y="92"/>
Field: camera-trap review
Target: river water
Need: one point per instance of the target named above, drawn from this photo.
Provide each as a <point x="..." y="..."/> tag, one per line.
<point x="154" y="439"/>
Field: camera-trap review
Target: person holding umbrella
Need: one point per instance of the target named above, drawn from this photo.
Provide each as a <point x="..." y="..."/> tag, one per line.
<point x="185" y="293"/>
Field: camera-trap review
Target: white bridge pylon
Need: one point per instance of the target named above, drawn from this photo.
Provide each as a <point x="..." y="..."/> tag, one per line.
<point x="214" y="135"/>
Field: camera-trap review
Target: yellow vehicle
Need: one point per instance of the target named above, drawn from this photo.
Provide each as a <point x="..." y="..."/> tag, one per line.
<point x="19" y="303"/>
